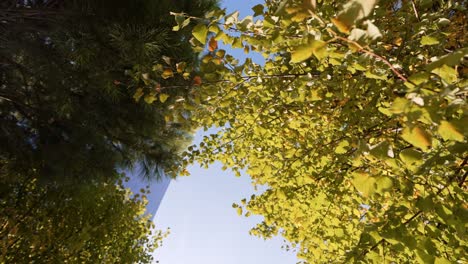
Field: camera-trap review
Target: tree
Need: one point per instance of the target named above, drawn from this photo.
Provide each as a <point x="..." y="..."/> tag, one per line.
<point x="70" y="121"/>
<point x="356" y="123"/>
<point x="93" y="223"/>
<point x="69" y="70"/>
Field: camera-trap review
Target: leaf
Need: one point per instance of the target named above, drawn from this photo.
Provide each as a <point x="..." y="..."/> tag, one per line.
<point x="301" y="53"/>
<point x="441" y="260"/>
<point x="451" y="59"/>
<point x="138" y="94"/>
<point x="258" y="10"/>
<point x="399" y="105"/>
<point x="167" y="73"/>
<point x="373" y="31"/>
<point x="411" y="158"/>
<point x="212" y="44"/>
<point x="449" y="132"/>
<point x="239" y="210"/>
<point x="342" y="147"/>
<point x="197" y="81"/>
<point x="352" y="12"/>
<point x="419" y="77"/>
<point x="364" y="183"/>
<point x="428" y="41"/>
<point x="417" y="137"/>
<point x="313" y="47"/>
<point x="200" y="32"/>
<point x="181" y="67"/>
<point x="220" y="53"/>
<point x="447" y="73"/>
<point x="423" y="257"/>
<point x="163" y="97"/>
<point x="150" y="98"/>
<point x="383" y="184"/>
<point x="382" y="150"/>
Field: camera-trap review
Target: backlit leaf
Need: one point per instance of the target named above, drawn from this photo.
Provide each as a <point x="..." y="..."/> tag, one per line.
<point x="428" y="41"/>
<point x="163" y="97"/>
<point x="167" y="73"/>
<point x="213" y="44"/>
<point x="417" y="137"/>
<point x="200" y="32"/>
<point x="449" y="132"/>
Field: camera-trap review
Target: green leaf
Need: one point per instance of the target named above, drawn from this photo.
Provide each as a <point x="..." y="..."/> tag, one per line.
<point x="301" y="53"/>
<point x="150" y="98"/>
<point x="424" y="257"/>
<point x="440" y="260"/>
<point x="342" y="147"/>
<point x="417" y="137"/>
<point x="451" y="59"/>
<point x="425" y="204"/>
<point x="382" y="150"/>
<point x="163" y="97"/>
<point x="383" y="183"/>
<point x="258" y="10"/>
<point x="447" y="73"/>
<point x="200" y="32"/>
<point x="352" y="12"/>
<point x="449" y="132"/>
<point x="428" y="41"/>
<point x="138" y="94"/>
<point x="313" y="47"/>
<point x="364" y="183"/>
<point x="411" y="158"/>
<point x="400" y="105"/>
<point x="239" y="210"/>
<point x="419" y="77"/>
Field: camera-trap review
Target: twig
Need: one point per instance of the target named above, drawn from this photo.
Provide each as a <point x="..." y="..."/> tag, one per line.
<point x="364" y="50"/>
<point x="415" y="10"/>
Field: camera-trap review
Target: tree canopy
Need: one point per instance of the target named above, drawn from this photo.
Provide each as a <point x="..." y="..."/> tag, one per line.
<point x="93" y="223"/>
<point x="69" y="70"/>
<point x="70" y="123"/>
<point x="356" y="124"/>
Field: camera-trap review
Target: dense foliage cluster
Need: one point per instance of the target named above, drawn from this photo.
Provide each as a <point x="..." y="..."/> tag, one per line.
<point x="70" y="124"/>
<point x="68" y="72"/>
<point x="356" y="124"/>
<point x="93" y="223"/>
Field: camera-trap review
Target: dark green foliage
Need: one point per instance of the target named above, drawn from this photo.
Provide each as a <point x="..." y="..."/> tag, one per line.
<point x="67" y="80"/>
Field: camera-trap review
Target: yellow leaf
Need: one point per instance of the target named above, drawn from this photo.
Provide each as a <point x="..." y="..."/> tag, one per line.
<point x="163" y="97"/>
<point x="449" y="132"/>
<point x="313" y="47"/>
<point x="167" y="73"/>
<point x="138" y="94"/>
<point x="417" y="137"/>
<point x="341" y="26"/>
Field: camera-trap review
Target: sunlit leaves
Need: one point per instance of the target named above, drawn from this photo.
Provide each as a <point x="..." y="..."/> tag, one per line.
<point x="346" y="131"/>
<point x="200" y="32"/>
<point x="449" y="132"/>
<point x="167" y="73"/>
<point x="428" y="41"/>
<point x="76" y="223"/>
<point x="163" y="97"/>
<point x="352" y="12"/>
<point x="313" y="47"/>
<point x="417" y="137"/>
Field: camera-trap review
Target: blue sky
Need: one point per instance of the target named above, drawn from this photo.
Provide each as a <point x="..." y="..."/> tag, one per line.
<point x="205" y="229"/>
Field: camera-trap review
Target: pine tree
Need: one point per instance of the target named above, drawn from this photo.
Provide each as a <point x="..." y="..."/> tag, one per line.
<point x="67" y="83"/>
